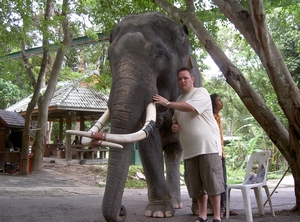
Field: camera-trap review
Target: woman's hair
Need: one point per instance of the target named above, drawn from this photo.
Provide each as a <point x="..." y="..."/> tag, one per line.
<point x="213" y="100"/>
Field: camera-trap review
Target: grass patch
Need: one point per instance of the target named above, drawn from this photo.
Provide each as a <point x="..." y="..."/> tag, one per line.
<point x="133" y="181"/>
<point x="237" y="176"/>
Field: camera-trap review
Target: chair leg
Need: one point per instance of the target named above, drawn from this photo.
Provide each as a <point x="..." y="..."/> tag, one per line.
<point x="269" y="199"/>
<point x="247" y="204"/>
<point x="259" y="200"/>
<point x="29" y="166"/>
<point x="227" y="202"/>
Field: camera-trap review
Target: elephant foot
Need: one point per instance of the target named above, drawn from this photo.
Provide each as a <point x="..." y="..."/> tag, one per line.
<point x="194" y="207"/>
<point x="177" y="202"/>
<point x="160" y="210"/>
<point x="178" y="205"/>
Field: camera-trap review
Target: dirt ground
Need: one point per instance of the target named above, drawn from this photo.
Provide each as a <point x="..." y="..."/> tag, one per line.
<point x="88" y="174"/>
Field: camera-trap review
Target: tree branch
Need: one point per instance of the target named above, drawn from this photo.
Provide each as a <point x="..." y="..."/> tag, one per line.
<point x="27" y="65"/>
<point x="190" y="7"/>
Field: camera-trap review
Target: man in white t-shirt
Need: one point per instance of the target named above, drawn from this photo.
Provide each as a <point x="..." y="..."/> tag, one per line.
<point x="199" y="136"/>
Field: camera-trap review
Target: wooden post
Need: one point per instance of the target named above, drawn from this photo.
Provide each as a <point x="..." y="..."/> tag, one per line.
<point x="68" y="139"/>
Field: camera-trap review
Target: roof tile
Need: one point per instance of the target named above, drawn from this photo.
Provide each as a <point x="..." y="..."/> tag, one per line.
<point x="70" y="95"/>
<point x="11" y="119"/>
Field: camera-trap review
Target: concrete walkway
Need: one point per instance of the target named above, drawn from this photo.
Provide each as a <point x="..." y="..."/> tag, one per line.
<point x="39" y="197"/>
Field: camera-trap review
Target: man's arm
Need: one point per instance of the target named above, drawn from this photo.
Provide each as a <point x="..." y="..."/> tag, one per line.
<point x="181" y="106"/>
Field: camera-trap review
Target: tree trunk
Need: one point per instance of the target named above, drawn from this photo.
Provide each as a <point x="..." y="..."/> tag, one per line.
<point x="48" y="132"/>
<point x="295" y="164"/>
<point x="30" y="108"/>
<point x="45" y="100"/>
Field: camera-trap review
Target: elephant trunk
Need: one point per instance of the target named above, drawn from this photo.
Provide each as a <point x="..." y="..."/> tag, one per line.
<point x="128" y="110"/>
<point x="118" y="165"/>
<point x="124" y="119"/>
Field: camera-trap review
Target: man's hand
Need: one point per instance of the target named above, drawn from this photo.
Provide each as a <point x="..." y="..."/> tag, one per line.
<point x="175" y="128"/>
<point x="160" y="100"/>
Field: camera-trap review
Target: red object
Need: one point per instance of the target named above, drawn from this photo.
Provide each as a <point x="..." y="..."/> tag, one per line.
<point x="29" y="164"/>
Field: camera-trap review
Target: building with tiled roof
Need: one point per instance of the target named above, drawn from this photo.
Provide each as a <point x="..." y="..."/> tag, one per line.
<point x="73" y="101"/>
<point x="11" y="128"/>
<point x="70" y="98"/>
<point x="11" y="119"/>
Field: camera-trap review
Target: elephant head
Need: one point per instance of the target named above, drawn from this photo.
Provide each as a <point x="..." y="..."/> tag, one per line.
<point x="145" y="52"/>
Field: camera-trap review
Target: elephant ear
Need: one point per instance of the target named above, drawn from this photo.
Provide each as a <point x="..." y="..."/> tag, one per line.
<point x="190" y="62"/>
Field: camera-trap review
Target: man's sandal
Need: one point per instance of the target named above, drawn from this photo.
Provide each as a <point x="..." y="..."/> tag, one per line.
<point x="200" y="219"/>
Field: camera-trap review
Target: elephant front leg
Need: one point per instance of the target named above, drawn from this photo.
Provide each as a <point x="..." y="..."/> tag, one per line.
<point x="172" y="155"/>
<point x="160" y="208"/>
<point x="159" y="196"/>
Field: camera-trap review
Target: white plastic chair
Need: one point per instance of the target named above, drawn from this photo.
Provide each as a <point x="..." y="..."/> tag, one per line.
<point x="253" y="181"/>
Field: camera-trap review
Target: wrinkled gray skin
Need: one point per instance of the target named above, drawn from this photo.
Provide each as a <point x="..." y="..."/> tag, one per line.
<point x="145" y="53"/>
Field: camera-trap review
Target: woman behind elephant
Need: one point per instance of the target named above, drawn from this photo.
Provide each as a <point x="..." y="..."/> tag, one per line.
<point x="201" y="145"/>
<point x="217" y="106"/>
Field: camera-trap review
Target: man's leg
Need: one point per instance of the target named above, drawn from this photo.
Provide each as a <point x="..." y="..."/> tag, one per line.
<point x="215" y="202"/>
<point x="202" y="206"/>
<point x="209" y="208"/>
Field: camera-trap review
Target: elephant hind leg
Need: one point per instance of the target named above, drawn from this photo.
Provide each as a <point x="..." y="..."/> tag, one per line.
<point x="177" y="202"/>
<point x="172" y="155"/>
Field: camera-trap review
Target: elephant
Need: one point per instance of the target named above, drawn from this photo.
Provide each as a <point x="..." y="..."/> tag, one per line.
<point x="145" y="52"/>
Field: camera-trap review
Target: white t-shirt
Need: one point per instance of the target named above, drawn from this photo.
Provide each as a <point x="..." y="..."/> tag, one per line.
<point x="199" y="132"/>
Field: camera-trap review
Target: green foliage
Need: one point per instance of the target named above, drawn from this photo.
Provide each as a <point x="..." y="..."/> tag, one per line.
<point x="238" y="151"/>
<point x="67" y="73"/>
<point x="286" y="35"/>
<point x="237" y="176"/>
<point x="13" y="71"/>
<point x="9" y="93"/>
<point x="112" y="12"/>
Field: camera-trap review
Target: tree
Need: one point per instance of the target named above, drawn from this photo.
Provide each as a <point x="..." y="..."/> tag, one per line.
<point x="53" y="26"/>
<point x="251" y="23"/>
<point x="44" y="100"/>
<point x="33" y="23"/>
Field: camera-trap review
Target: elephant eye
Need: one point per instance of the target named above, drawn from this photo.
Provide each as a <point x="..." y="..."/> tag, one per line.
<point x="159" y="54"/>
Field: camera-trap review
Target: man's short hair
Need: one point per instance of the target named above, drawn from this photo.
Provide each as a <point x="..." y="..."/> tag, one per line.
<point x="185" y="69"/>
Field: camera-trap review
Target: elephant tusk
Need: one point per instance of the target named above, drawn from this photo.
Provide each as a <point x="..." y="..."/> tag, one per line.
<point x="97" y="128"/>
<point x="101" y="122"/>
<point x="101" y="137"/>
<point x="105" y="143"/>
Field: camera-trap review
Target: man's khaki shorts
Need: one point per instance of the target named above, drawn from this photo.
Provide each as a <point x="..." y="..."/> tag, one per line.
<point x="203" y="174"/>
